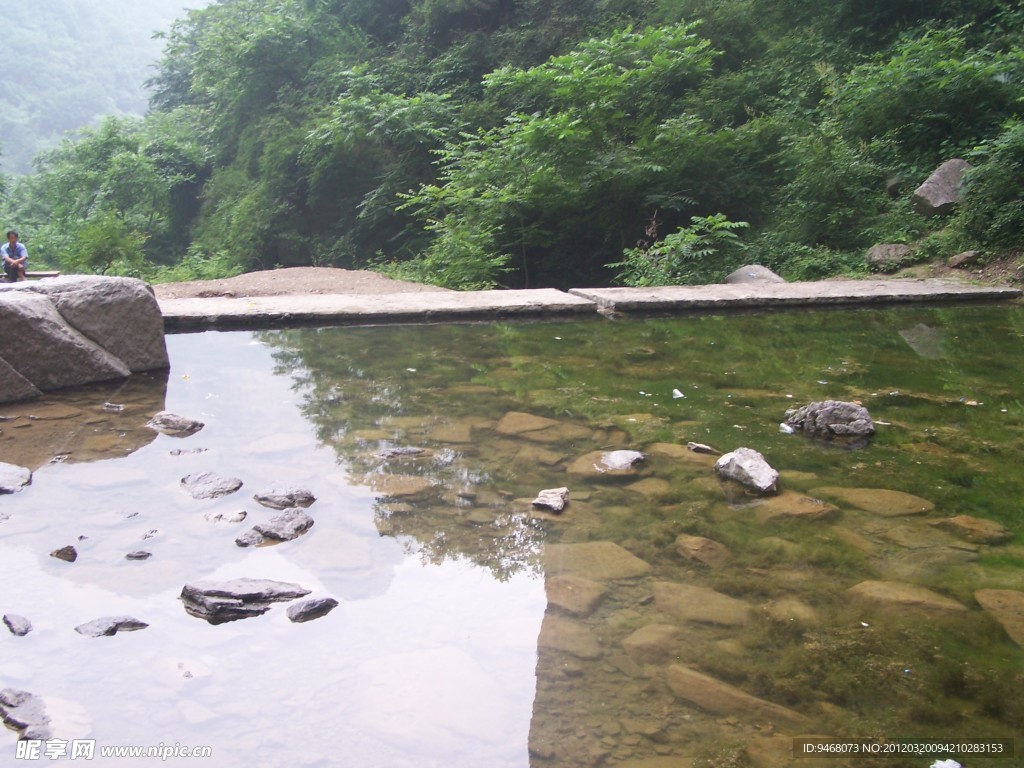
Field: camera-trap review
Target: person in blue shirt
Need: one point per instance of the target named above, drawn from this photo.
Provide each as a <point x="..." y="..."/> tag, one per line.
<point x="15" y="257"/>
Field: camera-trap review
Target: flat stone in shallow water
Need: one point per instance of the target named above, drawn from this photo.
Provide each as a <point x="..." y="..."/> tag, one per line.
<point x="720" y="698"/>
<point x="879" y="501"/>
<point x="791" y="504"/>
<point x="573" y="594"/>
<point x="702" y="550"/>
<point x="400" y="486"/>
<point x="975" y="529"/>
<point x="539" y="428"/>
<point x="654" y="643"/>
<point x="595" y="560"/>
<point x="560" y="633"/>
<point x="895" y="595"/>
<point x="1007" y="607"/>
<point x="688" y="602"/>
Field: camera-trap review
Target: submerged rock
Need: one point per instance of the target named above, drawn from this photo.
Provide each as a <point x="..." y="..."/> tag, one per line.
<point x="1007" y="607"/>
<point x="879" y="501"/>
<point x="174" y="425"/>
<point x="110" y="625"/>
<point x="749" y="468"/>
<point x="721" y="698"/>
<point x="899" y="596"/>
<point x="702" y="550"/>
<point x="975" y="529"/>
<point x="561" y="633"/>
<point x="596" y="560"/>
<point x="208" y="485"/>
<point x="19" y="625"/>
<point x="308" y="610"/>
<point x="832" y="419"/>
<point x="574" y="594"/>
<point x="689" y="602"/>
<point x="282" y="497"/>
<point x="221" y="601"/>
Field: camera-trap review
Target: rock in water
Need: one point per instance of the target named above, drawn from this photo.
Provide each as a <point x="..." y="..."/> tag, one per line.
<point x="308" y="610"/>
<point x="174" y="425"/>
<point x="19" y="625"/>
<point x="554" y="499"/>
<point x="832" y="419"/>
<point x="284" y="497"/>
<point x="221" y="601"/>
<point x="207" y="485"/>
<point x="110" y="625"/>
<point x="749" y="468"/>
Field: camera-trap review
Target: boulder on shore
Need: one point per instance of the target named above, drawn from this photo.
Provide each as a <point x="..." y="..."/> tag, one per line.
<point x="71" y="331"/>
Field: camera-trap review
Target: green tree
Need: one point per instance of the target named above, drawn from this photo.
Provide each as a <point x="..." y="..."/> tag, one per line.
<point x="572" y="151"/>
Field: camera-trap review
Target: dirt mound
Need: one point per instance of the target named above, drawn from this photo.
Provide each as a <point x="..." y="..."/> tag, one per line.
<point x="291" y="281"/>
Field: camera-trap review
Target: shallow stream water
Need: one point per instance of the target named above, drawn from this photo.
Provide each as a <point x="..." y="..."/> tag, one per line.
<point x="475" y="630"/>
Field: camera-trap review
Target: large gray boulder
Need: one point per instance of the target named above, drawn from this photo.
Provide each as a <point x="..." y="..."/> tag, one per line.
<point x="940" y="193"/>
<point x="71" y="331"/>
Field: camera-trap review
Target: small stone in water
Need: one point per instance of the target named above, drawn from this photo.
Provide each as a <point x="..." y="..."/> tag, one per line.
<point x="68" y="554"/>
<point x="554" y="499"/>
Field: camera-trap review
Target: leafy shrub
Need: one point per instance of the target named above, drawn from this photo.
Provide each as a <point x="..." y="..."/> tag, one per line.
<point x="703" y="252"/>
<point x="992" y="210"/>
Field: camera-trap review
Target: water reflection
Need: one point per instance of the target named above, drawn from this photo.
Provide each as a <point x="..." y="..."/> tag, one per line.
<point x="475" y="630"/>
<point x="99" y="422"/>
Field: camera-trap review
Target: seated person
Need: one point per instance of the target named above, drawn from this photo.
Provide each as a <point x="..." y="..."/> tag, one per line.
<point x="15" y="257"/>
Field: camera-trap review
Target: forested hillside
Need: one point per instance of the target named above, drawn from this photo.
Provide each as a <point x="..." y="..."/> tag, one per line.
<point x="68" y="63"/>
<point x="474" y="143"/>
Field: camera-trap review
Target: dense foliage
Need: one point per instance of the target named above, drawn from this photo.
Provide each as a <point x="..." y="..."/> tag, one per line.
<point x="68" y="63"/>
<point x="474" y="143"/>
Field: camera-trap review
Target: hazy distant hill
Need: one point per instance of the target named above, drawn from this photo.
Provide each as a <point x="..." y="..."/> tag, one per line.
<point x="68" y="62"/>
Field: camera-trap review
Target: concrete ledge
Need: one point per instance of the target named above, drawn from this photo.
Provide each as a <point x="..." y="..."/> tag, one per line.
<point x="340" y="309"/>
<point x="821" y="293"/>
<point x="349" y="309"/>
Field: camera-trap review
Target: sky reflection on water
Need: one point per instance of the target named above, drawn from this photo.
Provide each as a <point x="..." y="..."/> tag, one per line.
<point x="420" y="665"/>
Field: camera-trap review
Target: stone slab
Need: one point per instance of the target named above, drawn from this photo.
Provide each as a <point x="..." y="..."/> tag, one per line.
<point x="278" y="311"/>
<point x="816" y="293"/>
<point x="340" y="309"/>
